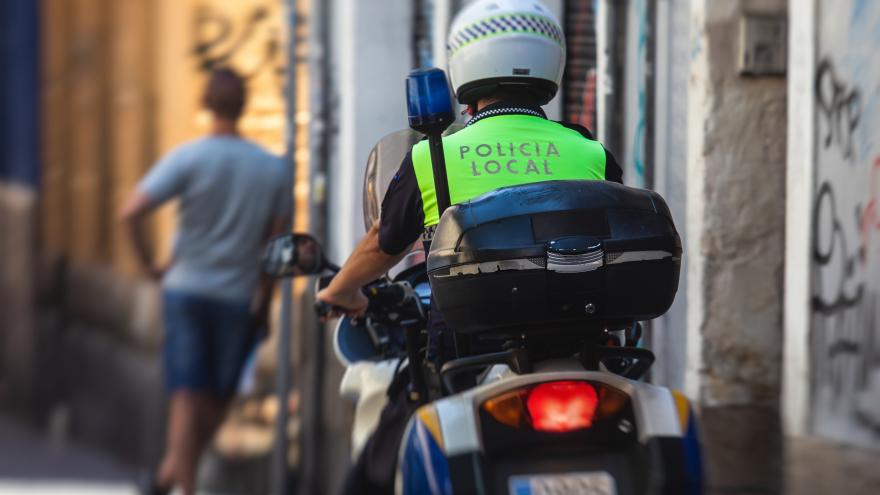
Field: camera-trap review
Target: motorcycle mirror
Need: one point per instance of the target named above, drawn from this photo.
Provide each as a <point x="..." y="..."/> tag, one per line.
<point x="293" y="255"/>
<point x="429" y="101"/>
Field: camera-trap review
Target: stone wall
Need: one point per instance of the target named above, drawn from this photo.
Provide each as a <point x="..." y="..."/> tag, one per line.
<point x="18" y="350"/>
<point x="736" y="228"/>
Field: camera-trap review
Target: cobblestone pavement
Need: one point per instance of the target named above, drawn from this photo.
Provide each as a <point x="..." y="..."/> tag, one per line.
<point x="815" y="467"/>
<point x="31" y="463"/>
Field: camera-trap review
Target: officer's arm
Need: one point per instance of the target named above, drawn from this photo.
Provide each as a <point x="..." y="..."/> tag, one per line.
<point x="367" y="263"/>
<point x="386" y="243"/>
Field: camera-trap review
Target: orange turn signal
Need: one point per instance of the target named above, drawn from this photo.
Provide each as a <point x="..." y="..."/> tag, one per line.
<point x="509" y="408"/>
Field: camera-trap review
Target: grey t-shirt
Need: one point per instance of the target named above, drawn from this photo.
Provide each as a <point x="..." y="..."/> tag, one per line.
<point x="230" y="190"/>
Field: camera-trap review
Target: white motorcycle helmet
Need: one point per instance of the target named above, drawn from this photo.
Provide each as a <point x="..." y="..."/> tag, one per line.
<point x="505" y="43"/>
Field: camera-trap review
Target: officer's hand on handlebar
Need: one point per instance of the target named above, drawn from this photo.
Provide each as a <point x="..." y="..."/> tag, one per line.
<point x="352" y="303"/>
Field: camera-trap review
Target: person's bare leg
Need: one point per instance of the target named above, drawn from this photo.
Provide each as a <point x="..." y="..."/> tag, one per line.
<point x="178" y="465"/>
<point x="212" y="413"/>
<point x="191" y="450"/>
<point x="166" y="477"/>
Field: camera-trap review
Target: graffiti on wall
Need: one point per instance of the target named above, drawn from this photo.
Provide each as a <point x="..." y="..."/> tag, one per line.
<point x="248" y="38"/>
<point x="636" y="72"/>
<point x="845" y="323"/>
<point x="839" y="106"/>
<point x="638" y="145"/>
<point x="251" y="42"/>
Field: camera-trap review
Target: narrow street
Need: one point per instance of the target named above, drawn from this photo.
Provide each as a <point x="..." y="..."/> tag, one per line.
<point x="661" y="266"/>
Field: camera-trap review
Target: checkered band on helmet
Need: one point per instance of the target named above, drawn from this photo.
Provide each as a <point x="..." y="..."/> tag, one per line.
<point x="493" y="43"/>
<point x="513" y="23"/>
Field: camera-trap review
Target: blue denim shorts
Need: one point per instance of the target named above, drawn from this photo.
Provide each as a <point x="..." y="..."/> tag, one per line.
<point x="207" y="342"/>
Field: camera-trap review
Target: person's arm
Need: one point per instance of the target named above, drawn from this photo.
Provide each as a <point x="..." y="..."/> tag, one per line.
<point x="132" y="216"/>
<point x="164" y="181"/>
<point x="367" y="263"/>
<point x="385" y="244"/>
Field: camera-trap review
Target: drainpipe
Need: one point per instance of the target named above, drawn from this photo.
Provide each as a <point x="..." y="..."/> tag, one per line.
<point x="280" y="471"/>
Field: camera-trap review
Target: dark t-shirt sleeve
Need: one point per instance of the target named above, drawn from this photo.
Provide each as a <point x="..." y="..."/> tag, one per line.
<point x="613" y="172"/>
<point x="581" y="129"/>
<point x="402" y="218"/>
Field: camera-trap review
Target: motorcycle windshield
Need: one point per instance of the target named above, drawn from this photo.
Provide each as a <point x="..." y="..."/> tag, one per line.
<point x="383" y="162"/>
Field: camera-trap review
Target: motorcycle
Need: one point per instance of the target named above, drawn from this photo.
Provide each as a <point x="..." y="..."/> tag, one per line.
<point x="543" y="286"/>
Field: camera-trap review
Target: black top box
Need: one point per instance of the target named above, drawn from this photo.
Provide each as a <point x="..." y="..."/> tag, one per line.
<point x="569" y="255"/>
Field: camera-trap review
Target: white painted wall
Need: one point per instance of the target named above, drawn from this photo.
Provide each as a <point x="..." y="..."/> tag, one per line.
<point x="844" y="359"/>
<point x="799" y="193"/>
<point x="668" y="336"/>
<point x="699" y="107"/>
<point x="669" y="333"/>
<point x="372" y="48"/>
<point x="444" y="12"/>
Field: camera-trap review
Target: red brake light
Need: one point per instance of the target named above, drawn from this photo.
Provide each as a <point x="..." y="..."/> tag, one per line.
<point x="556" y="407"/>
<point x="562" y="406"/>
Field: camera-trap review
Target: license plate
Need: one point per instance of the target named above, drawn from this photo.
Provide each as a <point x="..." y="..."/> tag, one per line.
<point x="592" y="483"/>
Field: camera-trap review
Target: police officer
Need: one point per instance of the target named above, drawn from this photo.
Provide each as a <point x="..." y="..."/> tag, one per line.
<point x="506" y="59"/>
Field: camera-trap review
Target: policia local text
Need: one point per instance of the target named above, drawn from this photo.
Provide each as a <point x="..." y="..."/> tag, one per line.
<point x="502" y="156"/>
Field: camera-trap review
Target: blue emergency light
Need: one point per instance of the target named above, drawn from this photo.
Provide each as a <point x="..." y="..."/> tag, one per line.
<point x="429" y="101"/>
<point x="429" y="105"/>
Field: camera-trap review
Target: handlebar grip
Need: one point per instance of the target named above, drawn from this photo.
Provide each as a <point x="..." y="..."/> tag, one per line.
<point x="385" y="295"/>
<point x="379" y="296"/>
<point x="324" y="281"/>
<point x="323" y="309"/>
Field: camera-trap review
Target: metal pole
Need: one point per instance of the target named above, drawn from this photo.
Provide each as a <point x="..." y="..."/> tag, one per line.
<point x="283" y="379"/>
<point x="311" y="479"/>
<point x="441" y="182"/>
<point x="279" y="464"/>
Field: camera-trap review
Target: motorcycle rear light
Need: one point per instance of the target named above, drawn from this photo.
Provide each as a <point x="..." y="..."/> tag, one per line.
<point x="562" y="406"/>
<point x="555" y="407"/>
